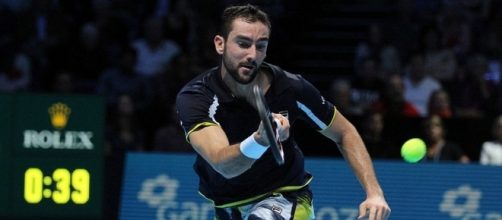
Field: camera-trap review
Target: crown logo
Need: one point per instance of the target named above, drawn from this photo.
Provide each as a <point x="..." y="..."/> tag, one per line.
<point x="59" y="113"/>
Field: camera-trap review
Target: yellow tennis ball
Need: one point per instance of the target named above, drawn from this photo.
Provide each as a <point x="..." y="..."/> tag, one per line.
<point x="413" y="150"/>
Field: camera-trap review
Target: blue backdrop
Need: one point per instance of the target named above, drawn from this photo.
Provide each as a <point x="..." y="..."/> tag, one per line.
<point x="164" y="186"/>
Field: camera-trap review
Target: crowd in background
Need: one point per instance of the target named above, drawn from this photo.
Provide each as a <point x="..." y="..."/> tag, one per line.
<point x="136" y="54"/>
<point x="436" y="61"/>
<point x="434" y="64"/>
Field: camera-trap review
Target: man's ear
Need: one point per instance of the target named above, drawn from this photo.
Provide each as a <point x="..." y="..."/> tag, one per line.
<point x="219" y="44"/>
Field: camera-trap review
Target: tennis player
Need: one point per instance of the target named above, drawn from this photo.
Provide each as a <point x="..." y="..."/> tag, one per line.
<point x="236" y="169"/>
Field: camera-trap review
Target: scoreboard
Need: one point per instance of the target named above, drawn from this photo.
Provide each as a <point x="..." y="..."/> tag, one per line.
<point x="51" y="156"/>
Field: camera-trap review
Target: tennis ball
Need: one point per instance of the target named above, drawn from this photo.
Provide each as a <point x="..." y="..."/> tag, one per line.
<point x="413" y="150"/>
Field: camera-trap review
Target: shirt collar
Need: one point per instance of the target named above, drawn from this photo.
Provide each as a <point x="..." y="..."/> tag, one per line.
<point x="221" y="89"/>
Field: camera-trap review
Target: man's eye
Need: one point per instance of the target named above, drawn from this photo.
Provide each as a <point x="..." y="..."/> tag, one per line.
<point x="261" y="46"/>
<point x="243" y="44"/>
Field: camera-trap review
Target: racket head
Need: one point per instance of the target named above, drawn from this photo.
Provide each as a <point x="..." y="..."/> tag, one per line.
<point x="268" y="122"/>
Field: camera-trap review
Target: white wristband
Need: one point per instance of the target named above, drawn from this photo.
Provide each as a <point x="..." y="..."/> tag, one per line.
<point x="252" y="149"/>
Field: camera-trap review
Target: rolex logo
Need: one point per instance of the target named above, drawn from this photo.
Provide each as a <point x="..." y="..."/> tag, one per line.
<point x="59" y="113"/>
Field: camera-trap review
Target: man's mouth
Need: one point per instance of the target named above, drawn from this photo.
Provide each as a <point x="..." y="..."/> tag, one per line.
<point x="248" y="66"/>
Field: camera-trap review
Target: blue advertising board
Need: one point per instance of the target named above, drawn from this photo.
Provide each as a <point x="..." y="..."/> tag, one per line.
<point x="164" y="186"/>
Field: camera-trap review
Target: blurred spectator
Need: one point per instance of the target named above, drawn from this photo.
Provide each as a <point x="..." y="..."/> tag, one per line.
<point x="43" y="30"/>
<point x="63" y="83"/>
<point x="171" y="137"/>
<point x="7" y="30"/>
<point x="376" y="46"/>
<point x="44" y="23"/>
<point x="439" y="62"/>
<point x="167" y="84"/>
<point x="439" y="104"/>
<point x="180" y="24"/>
<point x="118" y="23"/>
<point x="418" y="85"/>
<point x="405" y="26"/>
<point x="392" y="102"/>
<point x="155" y="51"/>
<point x="15" y="72"/>
<point x="472" y="92"/>
<point x="367" y="84"/>
<point x="87" y="58"/>
<point x="491" y="47"/>
<point x="123" y="79"/>
<point x="455" y="22"/>
<point x="372" y="132"/>
<point x="340" y="93"/>
<point x="491" y="151"/>
<point x="124" y="133"/>
<point x="165" y="87"/>
<point x="438" y="147"/>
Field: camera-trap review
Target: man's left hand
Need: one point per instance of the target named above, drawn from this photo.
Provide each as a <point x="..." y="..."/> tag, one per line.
<point x="374" y="208"/>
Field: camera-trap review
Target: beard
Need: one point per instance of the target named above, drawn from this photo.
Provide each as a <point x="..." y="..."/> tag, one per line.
<point x="233" y="70"/>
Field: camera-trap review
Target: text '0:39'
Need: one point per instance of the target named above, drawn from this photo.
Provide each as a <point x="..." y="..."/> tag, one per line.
<point x="62" y="186"/>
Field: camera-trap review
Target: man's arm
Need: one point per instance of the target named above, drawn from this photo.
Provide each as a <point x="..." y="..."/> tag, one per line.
<point x="212" y="144"/>
<point x="353" y="149"/>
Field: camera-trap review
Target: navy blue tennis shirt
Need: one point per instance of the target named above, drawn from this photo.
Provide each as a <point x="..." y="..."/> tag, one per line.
<point x="207" y="101"/>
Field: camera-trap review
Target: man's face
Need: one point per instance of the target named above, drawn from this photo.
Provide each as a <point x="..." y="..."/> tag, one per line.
<point x="244" y="49"/>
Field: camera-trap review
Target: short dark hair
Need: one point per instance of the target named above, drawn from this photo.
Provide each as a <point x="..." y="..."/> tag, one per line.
<point x="249" y="13"/>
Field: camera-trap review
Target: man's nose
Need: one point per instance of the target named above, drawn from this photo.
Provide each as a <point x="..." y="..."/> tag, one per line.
<point x="251" y="53"/>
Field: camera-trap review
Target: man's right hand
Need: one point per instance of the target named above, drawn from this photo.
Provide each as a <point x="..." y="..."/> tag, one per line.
<point x="282" y="125"/>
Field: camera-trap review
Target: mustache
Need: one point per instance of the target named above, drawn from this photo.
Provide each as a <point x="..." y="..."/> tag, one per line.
<point x="249" y="64"/>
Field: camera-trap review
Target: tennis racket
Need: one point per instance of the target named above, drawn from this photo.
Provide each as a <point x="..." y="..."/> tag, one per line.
<point x="269" y="125"/>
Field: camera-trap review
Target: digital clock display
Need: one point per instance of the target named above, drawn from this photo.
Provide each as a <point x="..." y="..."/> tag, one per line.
<point x="68" y="186"/>
<point x="49" y="187"/>
<point x="51" y="156"/>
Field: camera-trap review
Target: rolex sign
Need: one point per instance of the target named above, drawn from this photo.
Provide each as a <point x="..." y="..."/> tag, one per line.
<point x="58" y="123"/>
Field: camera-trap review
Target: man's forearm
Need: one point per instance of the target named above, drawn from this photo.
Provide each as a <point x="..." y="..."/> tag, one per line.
<point x="354" y="151"/>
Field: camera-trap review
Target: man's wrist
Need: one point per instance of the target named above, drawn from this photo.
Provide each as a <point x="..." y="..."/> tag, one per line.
<point x="249" y="147"/>
<point x="259" y="138"/>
